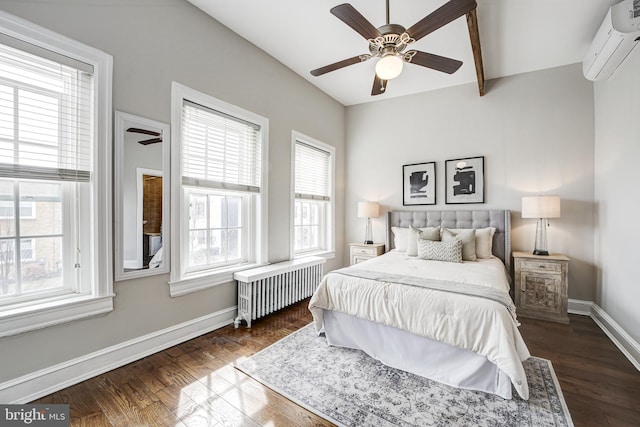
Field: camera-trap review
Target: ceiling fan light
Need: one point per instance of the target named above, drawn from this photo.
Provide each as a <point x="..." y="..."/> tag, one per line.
<point x="389" y="67"/>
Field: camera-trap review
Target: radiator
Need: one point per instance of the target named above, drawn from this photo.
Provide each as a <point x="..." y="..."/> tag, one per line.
<point x="263" y="290"/>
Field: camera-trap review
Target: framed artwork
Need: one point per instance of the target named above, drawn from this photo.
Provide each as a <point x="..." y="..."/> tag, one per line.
<point x="464" y="180"/>
<point x="419" y="184"/>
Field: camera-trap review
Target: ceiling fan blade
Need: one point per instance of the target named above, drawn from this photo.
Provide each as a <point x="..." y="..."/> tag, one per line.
<point x="436" y="62"/>
<point x="441" y="17"/>
<point x="340" y="64"/>
<point x="144" y="131"/>
<point x="350" y="16"/>
<point x="150" y="141"/>
<point x="379" y="86"/>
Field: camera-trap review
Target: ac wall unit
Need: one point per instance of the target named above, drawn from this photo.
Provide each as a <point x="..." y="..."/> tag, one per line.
<point x="614" y="41"/>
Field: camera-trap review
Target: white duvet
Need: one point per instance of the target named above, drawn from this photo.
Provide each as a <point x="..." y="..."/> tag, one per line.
<point x="477" y="324"/>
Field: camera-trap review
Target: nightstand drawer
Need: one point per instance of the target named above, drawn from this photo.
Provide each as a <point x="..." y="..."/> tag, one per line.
<point x="359" y="250"/>
<point x="551" y="267"/>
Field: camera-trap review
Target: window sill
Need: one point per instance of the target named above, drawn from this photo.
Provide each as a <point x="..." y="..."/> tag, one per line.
<point x="49" y="313"/>
<point x="323" y="254"/>
<point x="199" y="282"/>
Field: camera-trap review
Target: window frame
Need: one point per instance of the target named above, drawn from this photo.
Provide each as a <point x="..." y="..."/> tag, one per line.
<point x="329" y="251"/>
<point x="97" y="296"/>
<point x="182" y="281"/>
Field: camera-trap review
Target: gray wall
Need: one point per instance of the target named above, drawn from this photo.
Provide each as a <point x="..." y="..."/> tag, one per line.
<point x="535" y="131"/>
<point x="154" y="42"/>
<point x="617" y="148"/>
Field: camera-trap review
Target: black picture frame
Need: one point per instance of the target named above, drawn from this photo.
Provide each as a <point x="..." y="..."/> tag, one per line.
<point x="464" y="180"/>
<point x="419" y="184"/>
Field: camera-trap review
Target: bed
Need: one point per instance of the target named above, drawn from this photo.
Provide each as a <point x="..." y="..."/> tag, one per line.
<point x="452" y="322"/>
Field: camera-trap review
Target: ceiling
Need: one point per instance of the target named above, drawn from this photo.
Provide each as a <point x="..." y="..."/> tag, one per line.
<point x="517" y="36"/>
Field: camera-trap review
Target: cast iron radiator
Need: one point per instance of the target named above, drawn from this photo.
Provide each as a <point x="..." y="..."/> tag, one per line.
<point x="263" y="290"/>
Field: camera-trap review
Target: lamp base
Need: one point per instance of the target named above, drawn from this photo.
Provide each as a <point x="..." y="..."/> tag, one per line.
<point x="368" y="235"/>
<point x="541" y="237"/>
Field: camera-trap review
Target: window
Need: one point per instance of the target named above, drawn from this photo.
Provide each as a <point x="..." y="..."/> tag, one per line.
<point x="219" y="193"/>
<point x="215" y="228"/>
<point x="54" y="163"/>
<point x="313" y="197"/>
<point x="27" y="210"/>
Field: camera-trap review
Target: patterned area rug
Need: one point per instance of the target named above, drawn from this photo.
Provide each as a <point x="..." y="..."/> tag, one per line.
<point x="349" y="388"/>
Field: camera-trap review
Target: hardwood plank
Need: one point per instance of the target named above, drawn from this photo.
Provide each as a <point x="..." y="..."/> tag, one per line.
<point x="217" y="411"/>
<point x="97" y="419"/>
<point x="81" y="401"/>
<point x="601" y="387"/>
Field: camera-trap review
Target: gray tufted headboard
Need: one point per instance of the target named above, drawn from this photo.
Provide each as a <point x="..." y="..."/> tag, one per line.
<point x="500" y="219"/>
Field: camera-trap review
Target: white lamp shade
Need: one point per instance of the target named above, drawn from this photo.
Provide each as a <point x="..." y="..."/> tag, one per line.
<point x="541" y="207"/>
<point x="389" y="67"/>
<point x="368" y="210"/>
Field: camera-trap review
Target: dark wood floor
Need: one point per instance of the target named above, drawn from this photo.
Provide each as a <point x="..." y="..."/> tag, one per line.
<point x="195" y="384"/>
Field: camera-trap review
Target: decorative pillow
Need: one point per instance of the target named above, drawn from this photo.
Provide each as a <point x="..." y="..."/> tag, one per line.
<point x="450" y="251"/>
<point x="427" y="233"/>
<point x="400" y="238"/>
<point x="484" y="242"/>
<point x="468" y="239"/>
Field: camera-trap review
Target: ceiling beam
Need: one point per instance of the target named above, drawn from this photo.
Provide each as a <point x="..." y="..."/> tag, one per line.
<point x="474" y="35"/>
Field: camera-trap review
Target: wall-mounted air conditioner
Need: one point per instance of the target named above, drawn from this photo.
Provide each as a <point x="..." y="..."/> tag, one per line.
<point x="614" y="41"/>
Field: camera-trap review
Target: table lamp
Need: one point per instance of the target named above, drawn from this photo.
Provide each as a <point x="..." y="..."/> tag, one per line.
<point x="368" y="210"/>
<point x="542" y="208"/>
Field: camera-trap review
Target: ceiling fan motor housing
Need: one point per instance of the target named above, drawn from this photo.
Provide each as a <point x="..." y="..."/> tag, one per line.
<point x="391" y="40"/>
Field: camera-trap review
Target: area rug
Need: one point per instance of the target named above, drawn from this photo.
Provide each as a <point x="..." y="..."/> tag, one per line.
<point x="349" y="388"/>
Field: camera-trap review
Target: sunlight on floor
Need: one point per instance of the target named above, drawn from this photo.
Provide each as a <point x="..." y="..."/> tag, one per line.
<point x="224" y="396"/>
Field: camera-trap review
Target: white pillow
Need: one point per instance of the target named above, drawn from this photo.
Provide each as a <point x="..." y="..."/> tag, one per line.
<point x="427" y="233"/>
<point x="468" y="238"/>
<point x="400" y="238"/>
<point x="484" y="242"/>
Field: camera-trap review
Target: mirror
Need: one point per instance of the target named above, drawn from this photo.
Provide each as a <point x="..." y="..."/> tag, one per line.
<point x="141" y="196"/>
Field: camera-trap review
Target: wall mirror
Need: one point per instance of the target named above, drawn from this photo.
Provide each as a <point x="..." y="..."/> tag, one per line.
<point x="141" y="194"/>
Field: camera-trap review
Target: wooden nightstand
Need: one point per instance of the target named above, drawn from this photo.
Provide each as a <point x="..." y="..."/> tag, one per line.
<point x="359" y="252"/>
<point x="541" y="286"/>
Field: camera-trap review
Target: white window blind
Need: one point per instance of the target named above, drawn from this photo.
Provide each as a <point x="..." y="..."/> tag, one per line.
<point x="45" y="117"/>
<point x="219" y="151"/>
<point x="311" y="173"/>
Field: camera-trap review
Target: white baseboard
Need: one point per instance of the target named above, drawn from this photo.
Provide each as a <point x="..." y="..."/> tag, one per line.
<point x="580" y="307"/>
<point x="49" y="380"/>
<point x="625" y="342"/>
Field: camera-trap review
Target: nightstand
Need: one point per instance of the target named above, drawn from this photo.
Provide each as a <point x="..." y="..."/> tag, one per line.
<point x="359" y="252"/>
<point x="541" y="286"/>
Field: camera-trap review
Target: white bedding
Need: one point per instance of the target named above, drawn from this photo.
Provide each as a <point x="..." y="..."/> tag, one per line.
<point x="483" y="326"/>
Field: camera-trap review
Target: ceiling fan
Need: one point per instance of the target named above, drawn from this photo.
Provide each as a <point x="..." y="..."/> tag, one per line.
<point x="389" y="42"/>
<point x="158" y="137"/>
